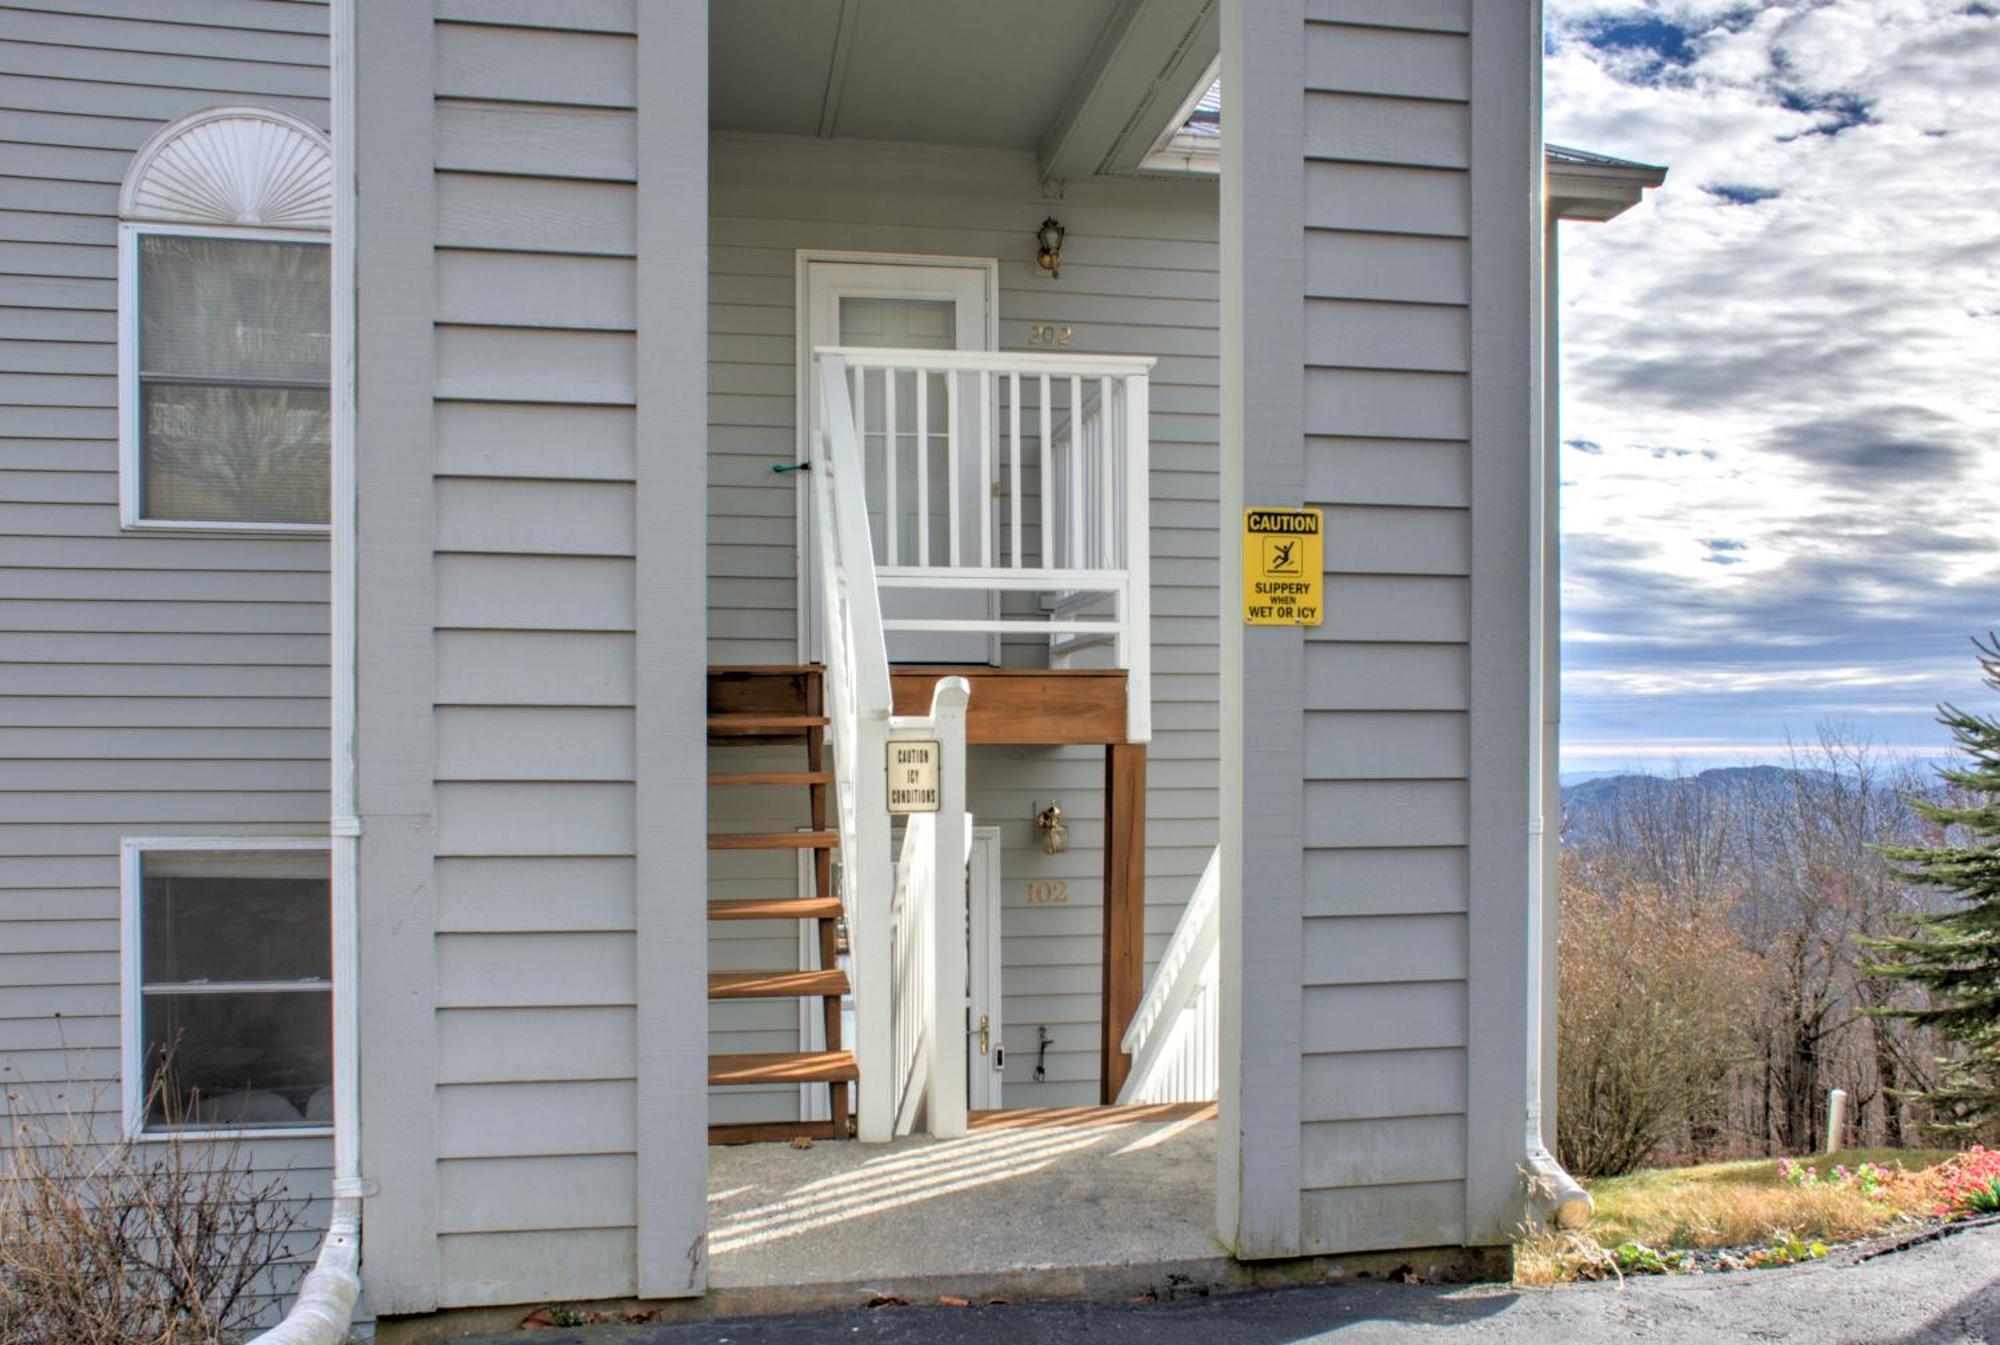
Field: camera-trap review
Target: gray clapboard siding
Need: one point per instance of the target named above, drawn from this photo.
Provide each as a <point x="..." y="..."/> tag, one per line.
<point x="583" y="443"/>
<point x="539" y="65"/>
<point x="493" y="1268"/>
<point x="148" y="683"/>
<point x="548" y="142"/>
<point x="539" y="1044"/>
<point x="521" y="302"/>
<point x="539" y="742"/>
<point x="525" y="214"/>
<point x="512" y="1195"/>
<point x="540" y="1119"/>
<point x="513" y="893"/>
<point x="567" y="668"/>
<point x="597" y="16"/>
<point x="1406" y="349"/>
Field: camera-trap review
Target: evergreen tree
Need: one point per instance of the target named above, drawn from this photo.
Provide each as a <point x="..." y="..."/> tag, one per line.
<point x="1954" y="954"/>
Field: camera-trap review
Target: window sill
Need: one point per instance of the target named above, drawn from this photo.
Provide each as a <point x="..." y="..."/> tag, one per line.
<point x="231" y="529"/>
<point x="311" y="1132"/>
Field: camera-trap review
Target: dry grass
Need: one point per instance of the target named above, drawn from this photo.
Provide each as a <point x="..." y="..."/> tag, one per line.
<point x="1729" y="1205"/>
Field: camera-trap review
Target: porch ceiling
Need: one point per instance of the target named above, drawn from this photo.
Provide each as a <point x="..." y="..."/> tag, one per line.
<point x="1023" y="75"/>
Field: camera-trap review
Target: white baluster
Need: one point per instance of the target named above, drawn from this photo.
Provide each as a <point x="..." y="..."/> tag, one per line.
<point x="1106" y="487"/>
<point x="955" y="508"/>
<point x="1074" y="550"/>
<point x="890" y="554"/>
<point x="923" y="379"/>
<point x="985" y="469"/>
<point x="1014" y="458"/>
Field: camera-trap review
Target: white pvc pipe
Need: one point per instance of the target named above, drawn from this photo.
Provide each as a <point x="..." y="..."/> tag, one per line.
<point x="1554" y="1197"/>
<point x="1836" y="1119"/>
<point x="324" y="1308"/>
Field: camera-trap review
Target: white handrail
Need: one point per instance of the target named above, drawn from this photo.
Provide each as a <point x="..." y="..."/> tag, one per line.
<point x="858" y="704"/>
<point x="901" y="920"/>
<point x="1174" y="1034"/>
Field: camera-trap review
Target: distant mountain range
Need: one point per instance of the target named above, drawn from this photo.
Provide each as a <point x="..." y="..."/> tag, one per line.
<point x="1606" y="791"/>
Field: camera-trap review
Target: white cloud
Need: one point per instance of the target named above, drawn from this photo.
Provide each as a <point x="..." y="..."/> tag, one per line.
<point x="1796" y="496"/>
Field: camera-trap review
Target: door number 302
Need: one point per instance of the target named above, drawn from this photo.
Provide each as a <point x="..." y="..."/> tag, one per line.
<point x="1048" y="334"/>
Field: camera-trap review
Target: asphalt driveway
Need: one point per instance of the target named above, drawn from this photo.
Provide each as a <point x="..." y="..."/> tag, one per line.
<point x="1942" y="1292"/>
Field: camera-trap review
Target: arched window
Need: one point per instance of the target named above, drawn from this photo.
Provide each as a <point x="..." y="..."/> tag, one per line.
<point x="225" y="352"/>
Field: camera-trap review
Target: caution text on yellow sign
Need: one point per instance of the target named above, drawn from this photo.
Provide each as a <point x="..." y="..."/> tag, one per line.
<point x="1284" y="581"/>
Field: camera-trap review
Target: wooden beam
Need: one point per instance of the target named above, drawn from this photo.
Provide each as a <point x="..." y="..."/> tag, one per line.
<point x="1124" y="956"/>
<point x="1149" y="60"/>
<point x="1025" y="706"/>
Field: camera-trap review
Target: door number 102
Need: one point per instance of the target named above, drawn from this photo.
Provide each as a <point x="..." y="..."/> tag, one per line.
<point x="1048" y="334"/>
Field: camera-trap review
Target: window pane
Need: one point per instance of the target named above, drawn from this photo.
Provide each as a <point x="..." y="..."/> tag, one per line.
<point x="240" y="1059"/>
<point x="234" y="915"/>
<point x="234" y="455"/>
<point x="234" y="308"/>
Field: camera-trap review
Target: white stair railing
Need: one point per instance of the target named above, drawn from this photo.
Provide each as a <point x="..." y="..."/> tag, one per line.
<point x="927" y="933"/>
<point x="1011" y="473"/>
<point x="1175" y="1033"/>
<point x="861" y="726"/>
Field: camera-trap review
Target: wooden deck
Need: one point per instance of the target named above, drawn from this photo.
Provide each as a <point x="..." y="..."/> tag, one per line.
<point x="1024" y="707"/>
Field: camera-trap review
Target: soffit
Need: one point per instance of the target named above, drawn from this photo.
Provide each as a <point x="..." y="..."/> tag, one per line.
<point x="954" y="72"/>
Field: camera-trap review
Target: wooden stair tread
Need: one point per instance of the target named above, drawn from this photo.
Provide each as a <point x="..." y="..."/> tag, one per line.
<point x="776" y="984"/>
<point x="776" y="1132"/>
<point x="784" y="1067"/>
<point x="777" y="908"/>
<point x="773" y="840"/>
<point x="753" y="724"/>
<point x="772" y="778"/>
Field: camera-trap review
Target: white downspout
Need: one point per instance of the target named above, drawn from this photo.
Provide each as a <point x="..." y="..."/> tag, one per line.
<point x="327" y="1295"/>
<point x="1554" y="1197"/>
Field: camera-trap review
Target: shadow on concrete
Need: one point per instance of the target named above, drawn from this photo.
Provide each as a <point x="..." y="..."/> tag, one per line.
<point x="1975" y="1317"/>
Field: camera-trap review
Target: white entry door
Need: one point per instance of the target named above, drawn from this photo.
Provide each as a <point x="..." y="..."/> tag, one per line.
<point x="908" y="304"/>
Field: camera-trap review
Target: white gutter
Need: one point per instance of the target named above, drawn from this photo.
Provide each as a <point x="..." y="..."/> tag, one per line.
<point x="325" y="1306"/>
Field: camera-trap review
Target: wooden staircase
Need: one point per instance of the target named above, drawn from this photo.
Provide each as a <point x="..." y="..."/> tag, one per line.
<point x="762" y="707"/>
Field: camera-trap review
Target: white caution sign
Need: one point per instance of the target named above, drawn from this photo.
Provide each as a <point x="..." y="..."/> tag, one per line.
<point x="913" y="776"/>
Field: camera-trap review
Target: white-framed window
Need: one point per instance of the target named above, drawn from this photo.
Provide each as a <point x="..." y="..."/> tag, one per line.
<point x="227" y="954"/>
<point x="225" y="344"/>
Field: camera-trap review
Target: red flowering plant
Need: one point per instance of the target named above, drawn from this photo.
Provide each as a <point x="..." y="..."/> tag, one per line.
<point x="1969" y="1183"/>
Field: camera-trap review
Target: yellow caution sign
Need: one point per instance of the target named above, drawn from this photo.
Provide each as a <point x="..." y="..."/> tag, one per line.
<point x="1284" y="581"/>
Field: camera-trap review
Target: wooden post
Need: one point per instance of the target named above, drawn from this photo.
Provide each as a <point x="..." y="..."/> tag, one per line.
<point x="1124" y="905"/>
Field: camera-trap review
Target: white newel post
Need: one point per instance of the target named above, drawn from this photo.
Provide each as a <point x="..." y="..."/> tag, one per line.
<point x="872" y="870"/>
<point x="946" y="1105"/>
<point x="1138" y="622"/>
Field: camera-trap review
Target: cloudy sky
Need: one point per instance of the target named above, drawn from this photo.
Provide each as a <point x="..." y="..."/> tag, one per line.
<point x="1781" y="501"/>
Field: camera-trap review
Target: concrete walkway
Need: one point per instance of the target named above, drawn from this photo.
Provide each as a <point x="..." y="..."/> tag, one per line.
<point x="1088" y="1191"/>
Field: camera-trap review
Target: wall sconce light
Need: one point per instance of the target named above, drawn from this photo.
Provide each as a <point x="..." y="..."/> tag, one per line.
<point x="1048" y="243"/>
<point x="1055" y="831"/>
